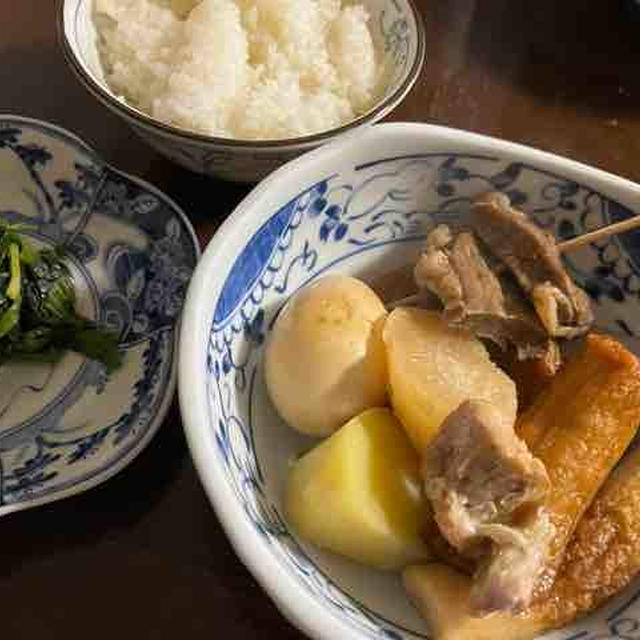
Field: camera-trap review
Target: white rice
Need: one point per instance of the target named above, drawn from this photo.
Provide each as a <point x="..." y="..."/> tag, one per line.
<point x="247" y="69"/>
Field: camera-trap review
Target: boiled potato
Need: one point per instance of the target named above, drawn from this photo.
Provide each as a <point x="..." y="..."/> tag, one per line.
<point x="433" y="368"/>
<point x="359" y="493"/>
<point x="324" y="361"/>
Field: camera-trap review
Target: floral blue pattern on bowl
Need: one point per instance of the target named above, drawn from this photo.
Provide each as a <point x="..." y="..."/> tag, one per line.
<point x="67" y="426"/>
<point x="362" y="208"/>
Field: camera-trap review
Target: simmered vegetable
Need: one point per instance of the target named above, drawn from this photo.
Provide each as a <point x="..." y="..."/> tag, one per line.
<point x="37" y="316"/>
<point x="433" y="368"/>
<point x="324" y="361"/>
<point x="359" y="493"/>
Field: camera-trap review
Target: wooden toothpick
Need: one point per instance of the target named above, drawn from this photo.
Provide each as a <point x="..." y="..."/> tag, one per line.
<point x="598" y="234"/>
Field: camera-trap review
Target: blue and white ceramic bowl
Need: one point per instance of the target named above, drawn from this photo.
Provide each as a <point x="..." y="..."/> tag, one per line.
<point x="398" y="33"/>
<point x="67" y="427"/>
<point x="362" y="207"/>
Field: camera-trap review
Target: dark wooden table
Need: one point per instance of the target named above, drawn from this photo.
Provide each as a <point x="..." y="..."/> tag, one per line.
<point x="143" y="556"/>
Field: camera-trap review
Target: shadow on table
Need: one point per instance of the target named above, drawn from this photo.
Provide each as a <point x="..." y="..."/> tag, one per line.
<point x="143" y="549"/>
<point x="587" y="53"/>
<point x="101" y="512"/>
<point x="36" y="83"/>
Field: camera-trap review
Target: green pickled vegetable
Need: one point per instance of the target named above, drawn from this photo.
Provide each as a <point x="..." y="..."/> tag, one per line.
<point x="38" y="321"/>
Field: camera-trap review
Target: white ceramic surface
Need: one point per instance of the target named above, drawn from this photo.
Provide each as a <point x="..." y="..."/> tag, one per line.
<point x="362" y="207"/>
<point x="68" y="426"/>
<point x="398" y="32"/>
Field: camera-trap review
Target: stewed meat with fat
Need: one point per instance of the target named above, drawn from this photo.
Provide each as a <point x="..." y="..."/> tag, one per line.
<point x="507" y="577"/>
<point x="478" y="472"/>
<point x="533" y="257"/>
<point x="454" y="269"/>
<point x="480" y="478"/>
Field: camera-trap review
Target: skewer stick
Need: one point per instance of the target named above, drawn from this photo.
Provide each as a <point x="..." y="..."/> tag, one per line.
<point x="598" y="234"/>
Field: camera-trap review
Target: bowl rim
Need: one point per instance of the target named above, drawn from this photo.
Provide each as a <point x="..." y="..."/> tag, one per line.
<point x="378" y="111"/>
<point x="299" y="606"/>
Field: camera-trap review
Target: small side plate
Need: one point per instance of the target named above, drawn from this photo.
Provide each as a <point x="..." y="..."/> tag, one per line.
<point x="67" y="427"/>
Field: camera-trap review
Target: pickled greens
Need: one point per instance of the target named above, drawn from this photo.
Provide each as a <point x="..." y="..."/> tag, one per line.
<point x="38" y="321"/>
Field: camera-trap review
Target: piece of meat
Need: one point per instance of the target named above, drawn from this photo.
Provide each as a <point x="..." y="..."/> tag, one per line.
<point x="480" y="478"/>
<point x="442" y="550"/>
<point x="601" y="559"/>
<point x="506" y="580"/>
<point x="435" y="272"/>
<point x="530" y="337"/>
<point x="559" y="311"/>
<point x="478" y="472"/>
<point x="454" y="269"/>
<point x="533" y="257"/>
<point x="527" y="336"/>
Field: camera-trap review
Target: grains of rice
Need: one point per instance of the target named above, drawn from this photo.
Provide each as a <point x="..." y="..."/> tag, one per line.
<point x="247" y="69"/>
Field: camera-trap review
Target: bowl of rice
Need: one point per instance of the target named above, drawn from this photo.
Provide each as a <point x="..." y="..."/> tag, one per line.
<point x="235" y="88"/>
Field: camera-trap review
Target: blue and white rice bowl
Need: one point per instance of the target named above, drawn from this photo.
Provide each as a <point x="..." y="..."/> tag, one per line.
<point x="398" y="33"/>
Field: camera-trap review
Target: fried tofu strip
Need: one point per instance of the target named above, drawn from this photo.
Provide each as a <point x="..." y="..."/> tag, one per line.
<point x="604" y="553"/>
<point x="579" y="427"/>
<point x="602" y="558"/>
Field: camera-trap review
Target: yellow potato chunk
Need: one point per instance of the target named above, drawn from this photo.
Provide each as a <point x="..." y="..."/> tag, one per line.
<point x="359" y="493"/>
<point x="433" y="368"/>
<point x="325" y="361"/>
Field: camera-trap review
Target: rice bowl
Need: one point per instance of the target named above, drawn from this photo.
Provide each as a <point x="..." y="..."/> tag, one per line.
<point x="397" y="30"/>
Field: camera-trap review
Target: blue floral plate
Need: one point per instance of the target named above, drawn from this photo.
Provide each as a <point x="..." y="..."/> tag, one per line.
<point x="66" y="427"/>
<point x="362" y="207"/>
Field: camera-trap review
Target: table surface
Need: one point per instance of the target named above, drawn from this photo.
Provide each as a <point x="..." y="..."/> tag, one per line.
<point x="143" y="555"/>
